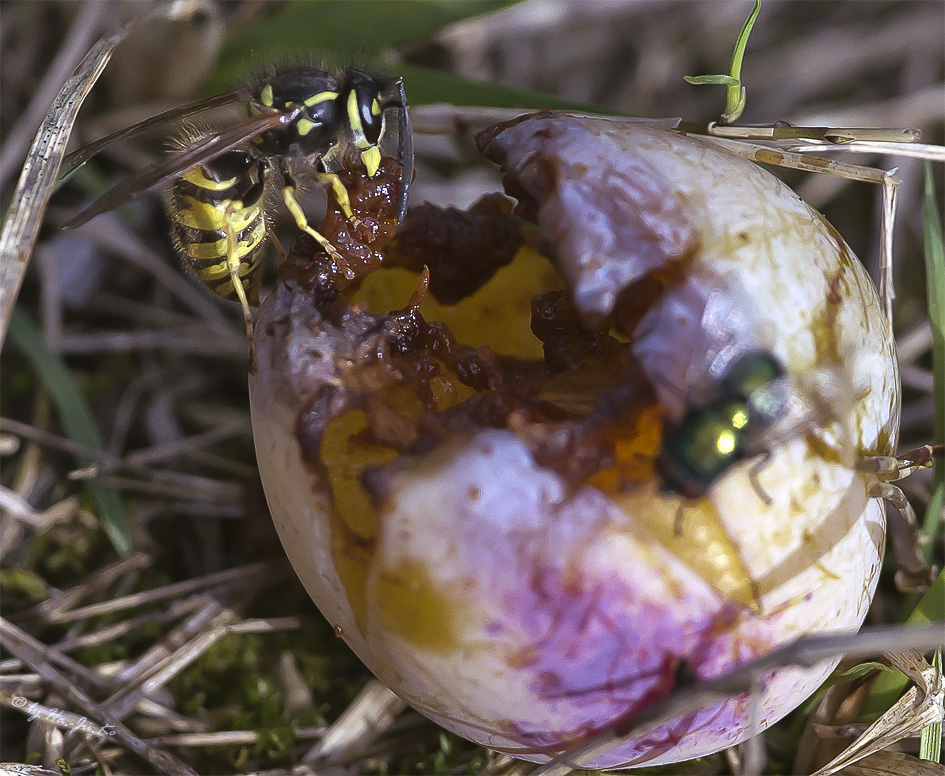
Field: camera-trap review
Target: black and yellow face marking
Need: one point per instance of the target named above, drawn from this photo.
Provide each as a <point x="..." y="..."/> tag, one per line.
<point x="713" y="437"/>
<point x="299" y="118"/>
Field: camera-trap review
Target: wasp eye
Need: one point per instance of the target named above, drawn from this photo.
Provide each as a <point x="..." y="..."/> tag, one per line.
<point x="370" y="114"/>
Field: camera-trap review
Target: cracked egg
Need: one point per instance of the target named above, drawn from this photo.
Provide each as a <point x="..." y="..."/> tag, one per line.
<point x="535" y="470"/>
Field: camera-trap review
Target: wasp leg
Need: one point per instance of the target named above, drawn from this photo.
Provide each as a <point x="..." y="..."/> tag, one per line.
<point x="274" y="241"/>
<point x="233" y="264"/>
<point x="293" y="206"/>
<point x="914" y="573"/>
<point x="341" y="196"/>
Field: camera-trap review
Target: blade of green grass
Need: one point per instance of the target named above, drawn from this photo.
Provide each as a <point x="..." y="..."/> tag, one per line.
<point x="930" y="741"/>
<point x="930" y="745"/>
<point x="76" y="420"/>
<point x="935" y="282"/>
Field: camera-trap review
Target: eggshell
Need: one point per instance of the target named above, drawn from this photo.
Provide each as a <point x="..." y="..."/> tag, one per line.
<point x="525" y="613"/>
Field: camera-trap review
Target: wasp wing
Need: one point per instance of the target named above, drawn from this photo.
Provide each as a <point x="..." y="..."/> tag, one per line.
<point x="79" y="157"/>
<point x="404" y="150"/>
<point x="203" y="150"/>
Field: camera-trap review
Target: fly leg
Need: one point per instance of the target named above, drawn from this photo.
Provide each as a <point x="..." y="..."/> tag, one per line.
<point x="914" y="572"/>
<point x="754" y="473"/>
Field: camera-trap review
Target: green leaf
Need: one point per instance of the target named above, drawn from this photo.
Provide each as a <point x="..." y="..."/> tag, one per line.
<point x="26" y="583"/>
<point x="76" y="420"/>
<point x="735" y="94"/>
<point x="721" y="80"/>
<point x="738" y="55"/>
<point x="340" y="30"/>
<point x="890" y="685"/>
<point x="856" y="672"/>
<point x="425" y="86"/>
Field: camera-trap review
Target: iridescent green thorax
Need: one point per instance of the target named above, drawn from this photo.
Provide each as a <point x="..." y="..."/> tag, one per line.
<point x="715" y="435"/>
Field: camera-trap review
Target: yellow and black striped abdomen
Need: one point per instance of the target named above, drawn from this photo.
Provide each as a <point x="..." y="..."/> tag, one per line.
<point x="217" y="214"/>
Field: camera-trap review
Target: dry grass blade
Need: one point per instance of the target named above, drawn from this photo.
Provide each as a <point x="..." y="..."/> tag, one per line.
<point x="228" y="738"/>
<point x="933" y="153"/>
<point x="368" y="715"/>
<point x="142" y="684"/>
<point x="765" y="155"/>
<point x="804" y="652"/>
<point x="17" y="769"/>
<point x="87" y="24"/>
<point x="893" y="764"/>
<point x="887" y="289"/>
<point x="207" y="622"/>
<point x="76" y="670"/>
<point x="19" y="507"/>
<point x="103" y="578"/>
<point x="162" y="365"/>
<point x="34" y="654"/>
<point x="920" y="706"/>
<point x="243" y="576"/>
<point x="112" y="632"/>
<point x="207" y="610"/>
<point x="51" y="440"/>
<point x="449" y="118"/>
<point x="35" y="187"/>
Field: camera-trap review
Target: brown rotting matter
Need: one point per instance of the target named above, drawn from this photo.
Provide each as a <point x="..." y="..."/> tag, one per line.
<point x="462" y="248"/>
<point x="565" y="407"/>
<point x="374" y="203"/>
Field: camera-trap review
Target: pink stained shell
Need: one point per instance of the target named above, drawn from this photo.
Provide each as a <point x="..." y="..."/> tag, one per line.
<point x="526" y="613"/>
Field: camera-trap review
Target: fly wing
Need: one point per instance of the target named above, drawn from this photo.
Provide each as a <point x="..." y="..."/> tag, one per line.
<point x="203" y="150"/>
<point x="79" y="157"/>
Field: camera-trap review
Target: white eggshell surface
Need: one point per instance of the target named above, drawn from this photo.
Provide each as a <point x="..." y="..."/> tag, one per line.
<point x="525" y="613"/>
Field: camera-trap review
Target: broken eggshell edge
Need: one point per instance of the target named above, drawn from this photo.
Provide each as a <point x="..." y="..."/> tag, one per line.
<point x="561" y="610"/>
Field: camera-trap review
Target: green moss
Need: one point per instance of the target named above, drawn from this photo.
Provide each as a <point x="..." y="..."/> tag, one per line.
<point x="433" y="752"/>
<point x="64" y="555"/>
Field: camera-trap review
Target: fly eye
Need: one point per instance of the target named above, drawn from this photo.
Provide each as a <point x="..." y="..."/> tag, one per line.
<point x="370" y="114"/>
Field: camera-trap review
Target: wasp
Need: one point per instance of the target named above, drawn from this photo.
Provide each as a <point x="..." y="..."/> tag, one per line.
<point x="219" y="202"/>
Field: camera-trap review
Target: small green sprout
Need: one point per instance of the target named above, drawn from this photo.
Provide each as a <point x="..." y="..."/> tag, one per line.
<point x="735" y="92"/>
